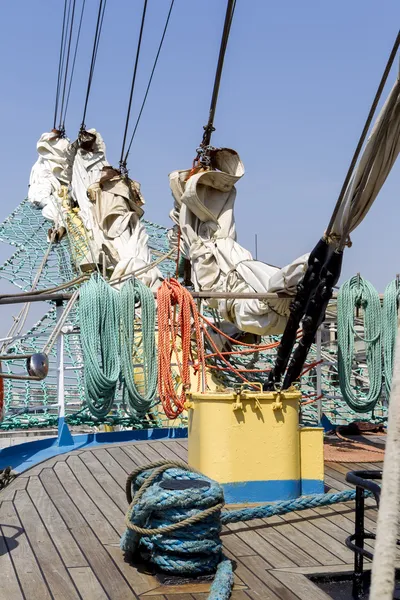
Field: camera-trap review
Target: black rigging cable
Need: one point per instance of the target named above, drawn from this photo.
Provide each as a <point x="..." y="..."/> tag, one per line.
<point x="203" y="150"/>
<point x="99" y="26"/>
<point x="60" y="64"/>
<point x="323" y="271"/>
<point x="67" y="61"/>
<point x="150" y="81"/>
<point x="73" y="65"/>
<point x="122" y="162"/>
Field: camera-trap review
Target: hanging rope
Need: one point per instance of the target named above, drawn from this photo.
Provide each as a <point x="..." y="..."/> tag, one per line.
<point x="63" y="116"/>
<point x="99" y="26"/>
<point x="203" y="152"/>
<point x="390" y="307"/>
<point x="99" y="317"/>
<point x="71" y="26"/>
<point x="122" y="162"/>
<point x="135" y="292"/>
<point x="149" y="82"/>
<point x="176" y="310"/>
<point x="359" y="293"/>
<point x="60" y="63"/>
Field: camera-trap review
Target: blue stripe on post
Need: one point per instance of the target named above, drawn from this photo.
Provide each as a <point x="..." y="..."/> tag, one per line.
<point x="261" y="491"/>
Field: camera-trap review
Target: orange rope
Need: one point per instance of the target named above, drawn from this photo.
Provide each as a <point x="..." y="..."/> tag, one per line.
<point x="176" y="310"/>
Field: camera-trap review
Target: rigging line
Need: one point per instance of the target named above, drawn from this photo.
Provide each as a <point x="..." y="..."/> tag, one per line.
<point x="67" y="61"/>
<point x="122" y="161"/>
<point x="365" y="131"/>
<point x="150" y="80"/>
<point x="209" y="128"/>
<point x="73" y="63"/>
<point x="99" y="25"/>
<point x="64" y="50"/>
<point x="59" y="65"/>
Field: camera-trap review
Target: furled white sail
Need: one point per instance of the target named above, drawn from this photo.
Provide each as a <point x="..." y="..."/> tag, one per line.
<point x="48" y="175"/>
<point x="110" y="209"/>
<point x="204" y="212"/>
<point x="377" y="160"/>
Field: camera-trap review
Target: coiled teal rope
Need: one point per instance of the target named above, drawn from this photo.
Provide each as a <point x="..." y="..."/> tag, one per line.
<point x="99" y="317"/>
<point x="390" y="304"/>
<point x="174" y="521"/>
<point x="359" y="293"/>
<point x="133" y="292"/>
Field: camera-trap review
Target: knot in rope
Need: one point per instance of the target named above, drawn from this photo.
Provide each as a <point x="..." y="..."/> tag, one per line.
<point x="99" y="317"/>
<point x="138" y="344"/>
<point x="174" y="522"/>
<point x="6" y="477"/>
<point x="358" y="292"/>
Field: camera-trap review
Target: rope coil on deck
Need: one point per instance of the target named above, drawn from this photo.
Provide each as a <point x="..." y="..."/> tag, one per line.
<point x="175" y="517"/>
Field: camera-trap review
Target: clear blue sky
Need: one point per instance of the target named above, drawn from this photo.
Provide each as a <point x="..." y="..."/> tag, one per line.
<point x="297" y="85"/>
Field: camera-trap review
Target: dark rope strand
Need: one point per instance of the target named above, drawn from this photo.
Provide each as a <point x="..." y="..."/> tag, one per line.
<point x="67" y="61"/>
<point x="122" y="161"/>
<point x="60" y="63"/>
<point x="208" y="129"/>
<point x="150" y="80"/>
<point x="100" y="15"/>
<point x="73" y="63"/>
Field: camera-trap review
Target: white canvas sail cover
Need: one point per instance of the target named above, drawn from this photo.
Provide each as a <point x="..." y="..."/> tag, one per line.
<point x="48" y="175"/>
<point x="204" y="212"/>
<point x="379" y="155"/>
<point x="110" y="209"/>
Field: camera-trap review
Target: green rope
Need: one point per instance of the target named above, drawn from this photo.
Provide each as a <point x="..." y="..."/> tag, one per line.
<point x="390" y="304"/>
<point x="100" y="322"/>
<point x="133" y="292"/>
<point x="359" y="293"/>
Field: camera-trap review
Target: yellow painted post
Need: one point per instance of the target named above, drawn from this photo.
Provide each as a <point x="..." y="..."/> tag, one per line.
<point x="312" y="460"/>
<point x="248" y="441"/>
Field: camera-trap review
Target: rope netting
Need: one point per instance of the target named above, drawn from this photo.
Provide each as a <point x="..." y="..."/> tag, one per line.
<point x="34" y="403"/>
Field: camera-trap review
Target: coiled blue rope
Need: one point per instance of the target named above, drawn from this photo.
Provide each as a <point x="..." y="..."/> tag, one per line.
<point x="99" y="318"/>
<point x="174" y="521"/>
<point x="359" y="293"/>
<point x="133" y="292"/>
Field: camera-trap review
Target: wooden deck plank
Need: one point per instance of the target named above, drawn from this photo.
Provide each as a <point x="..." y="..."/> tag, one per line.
<point x="110" y="510"/>
<point x="165" y="451"/>
<point x="236" y="546"/>
<point x="9" y="580"/>
<point x="253" y="571"/>
<point x="87" y="583"/>
<point x="9" y="492"/>
<point x="180" y="452"/>
<point x="99" y="560"/>
<point x="123" y="460"/>
<point x="305" y="589"/>
<point x="286" y="546"/>
<point x="103" y="477"/>
<point x="47" y="556"/>
<point x="149" y="452"/>
<point x="135" y="453"/>
<point x="261" y="546"/>
<point x="109" y="463"/>
<point x="61" y="536"/>
<point x="138" y="580"/>
<point x="30" y="577"/>
<point x="107" y="533"/>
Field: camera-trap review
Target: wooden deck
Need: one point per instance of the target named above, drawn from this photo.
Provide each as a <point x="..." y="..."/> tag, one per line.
<point x="62" y="522"/>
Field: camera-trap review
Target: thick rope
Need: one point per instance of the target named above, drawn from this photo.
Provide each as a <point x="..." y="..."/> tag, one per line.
<point x="133" y="292"/>
<point x="99" y="317"/>
<point x="176" y="312"/>
<point x="390" y="304"/>
<point x="174" y="520"/>
<point x="359" y="293"/>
